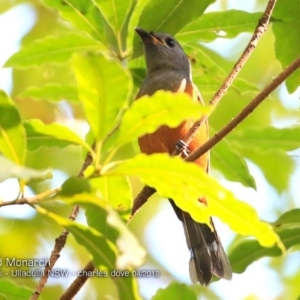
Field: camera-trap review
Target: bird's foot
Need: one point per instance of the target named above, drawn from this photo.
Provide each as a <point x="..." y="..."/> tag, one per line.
<point x="182" y="147"/>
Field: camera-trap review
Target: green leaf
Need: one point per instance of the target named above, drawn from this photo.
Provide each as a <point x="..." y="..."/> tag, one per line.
<point x="175" y="291"/>
<point x="104" y="87"/>
<point x="279" y="139"/>
<point x="208" y="73"/>
<point x="149" y="113"/>
<point x="290" y="218"/>
<point x="111" y="188"/>
<point x="243" y="86"/>
<point x="249" y="251"/>
<point x="224" y="24"/>
<point x="270" y="162"/>
<point x="56" y="49"/>
<point x="11" y="291"/>
<point x="286" y="19"/>
<point x="50" y="135"/>
<point x="128" y="288"/>
<point x="52" y="92"/>
<point x="266" y="147"/>
<point x="82" y="14"/>
<point x="102" y="251"/>
<point x="231" y="164"/>
<point x="12" y="133"/>
<point x="11" y="170"/>
<point x="185" y="183"/>
<point x="168" y="16"/>
<point x="117" y="14"/>
<point x="74" y="185"/>
<point x="131" y="254"/>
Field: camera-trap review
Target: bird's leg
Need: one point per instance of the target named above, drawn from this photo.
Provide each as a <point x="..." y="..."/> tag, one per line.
<point x="182" y="148"/>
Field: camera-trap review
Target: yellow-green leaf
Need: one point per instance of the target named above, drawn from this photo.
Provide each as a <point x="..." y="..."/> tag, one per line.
<point x="9" y="169"/>
<point x="52" y="92"/>
<point x="220" y="24"/>
<point x="102" y="251"/>
<point x="104" y="87"/>
<point x="12" y="133"/>
<point x="185" y="183"/>
<point x="53" y="49"/>
<point x="163" y="108"/>
<point x="50" y="135"/>
<point x="111" y="188"/>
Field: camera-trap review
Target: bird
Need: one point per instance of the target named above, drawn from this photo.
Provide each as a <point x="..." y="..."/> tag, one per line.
<point x="169" y="69"/>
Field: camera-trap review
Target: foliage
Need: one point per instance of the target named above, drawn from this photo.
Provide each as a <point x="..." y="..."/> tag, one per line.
<point x="92" y="63"/>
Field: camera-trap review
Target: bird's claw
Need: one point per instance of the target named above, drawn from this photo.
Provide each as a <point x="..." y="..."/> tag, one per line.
<point x="182" y="147"/>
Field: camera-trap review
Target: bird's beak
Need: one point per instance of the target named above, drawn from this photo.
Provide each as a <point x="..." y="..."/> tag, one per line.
<point x="146" y="37"/>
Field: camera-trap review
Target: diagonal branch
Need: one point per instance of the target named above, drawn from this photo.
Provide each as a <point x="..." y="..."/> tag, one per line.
<point x="246" y="111"/>
<point x="77" y="284"/>
<point x="60" y="241"/>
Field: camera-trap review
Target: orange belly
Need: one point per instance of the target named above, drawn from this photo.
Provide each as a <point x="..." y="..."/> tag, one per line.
<point x="165" y="139"/>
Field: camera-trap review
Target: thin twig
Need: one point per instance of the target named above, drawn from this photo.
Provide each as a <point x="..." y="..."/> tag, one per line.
<point x="60" y="241"/>
<point x="261" y="27"/>
<point x="246" y="111"/>
<point x="77" y="284"/>
<point x="30" y="200"/>
<point x="141" y="198"/>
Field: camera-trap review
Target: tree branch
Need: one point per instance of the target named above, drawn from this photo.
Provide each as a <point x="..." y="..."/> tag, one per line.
<point x="246" y="111"/>
<point x="77" y="284"/>
<point x="261" y="27"/>
<point x="30" y="200"/>
<point x="60" y="241"/>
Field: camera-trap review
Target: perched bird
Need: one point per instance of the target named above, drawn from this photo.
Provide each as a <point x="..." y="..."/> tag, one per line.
<point x="168" y="68"/>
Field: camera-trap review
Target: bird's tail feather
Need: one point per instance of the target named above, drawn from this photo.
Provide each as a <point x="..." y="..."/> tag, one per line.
<point x="207" y="254"/>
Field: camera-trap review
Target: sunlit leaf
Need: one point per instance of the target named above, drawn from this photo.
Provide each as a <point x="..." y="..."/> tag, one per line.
<point x="224" y="24"/>
<point x="53" y="49"/>
<point x="249" y="251"/>
<point x="287" y="20"/>
<point x="149" y="113"/>
<point x="106" y="221"/>
<point x="12" y="291"/>
<point x="103" y="252"/>
<point x="104" y="86"/>
<point x="111" y="188"/>
<point x="50" y="135"/>
<point x="174" y="291"/>
<point x="12" y="133"/>
<point x="11" y="170"/>
<point x="82" y="14"/>
<point x="185" y="183"/>
<point x="117" y="14"/>
<point x="160" y="16"/>
<point x="131" y="253"/>
<point x="52" y="92"/>
<point x="128" y="288"/>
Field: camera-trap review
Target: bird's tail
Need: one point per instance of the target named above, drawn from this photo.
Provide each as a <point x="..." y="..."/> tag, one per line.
<point x="207" y="254"/>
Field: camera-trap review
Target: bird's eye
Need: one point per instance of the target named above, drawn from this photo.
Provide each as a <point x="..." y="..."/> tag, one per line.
<point x="170" y="42"/>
